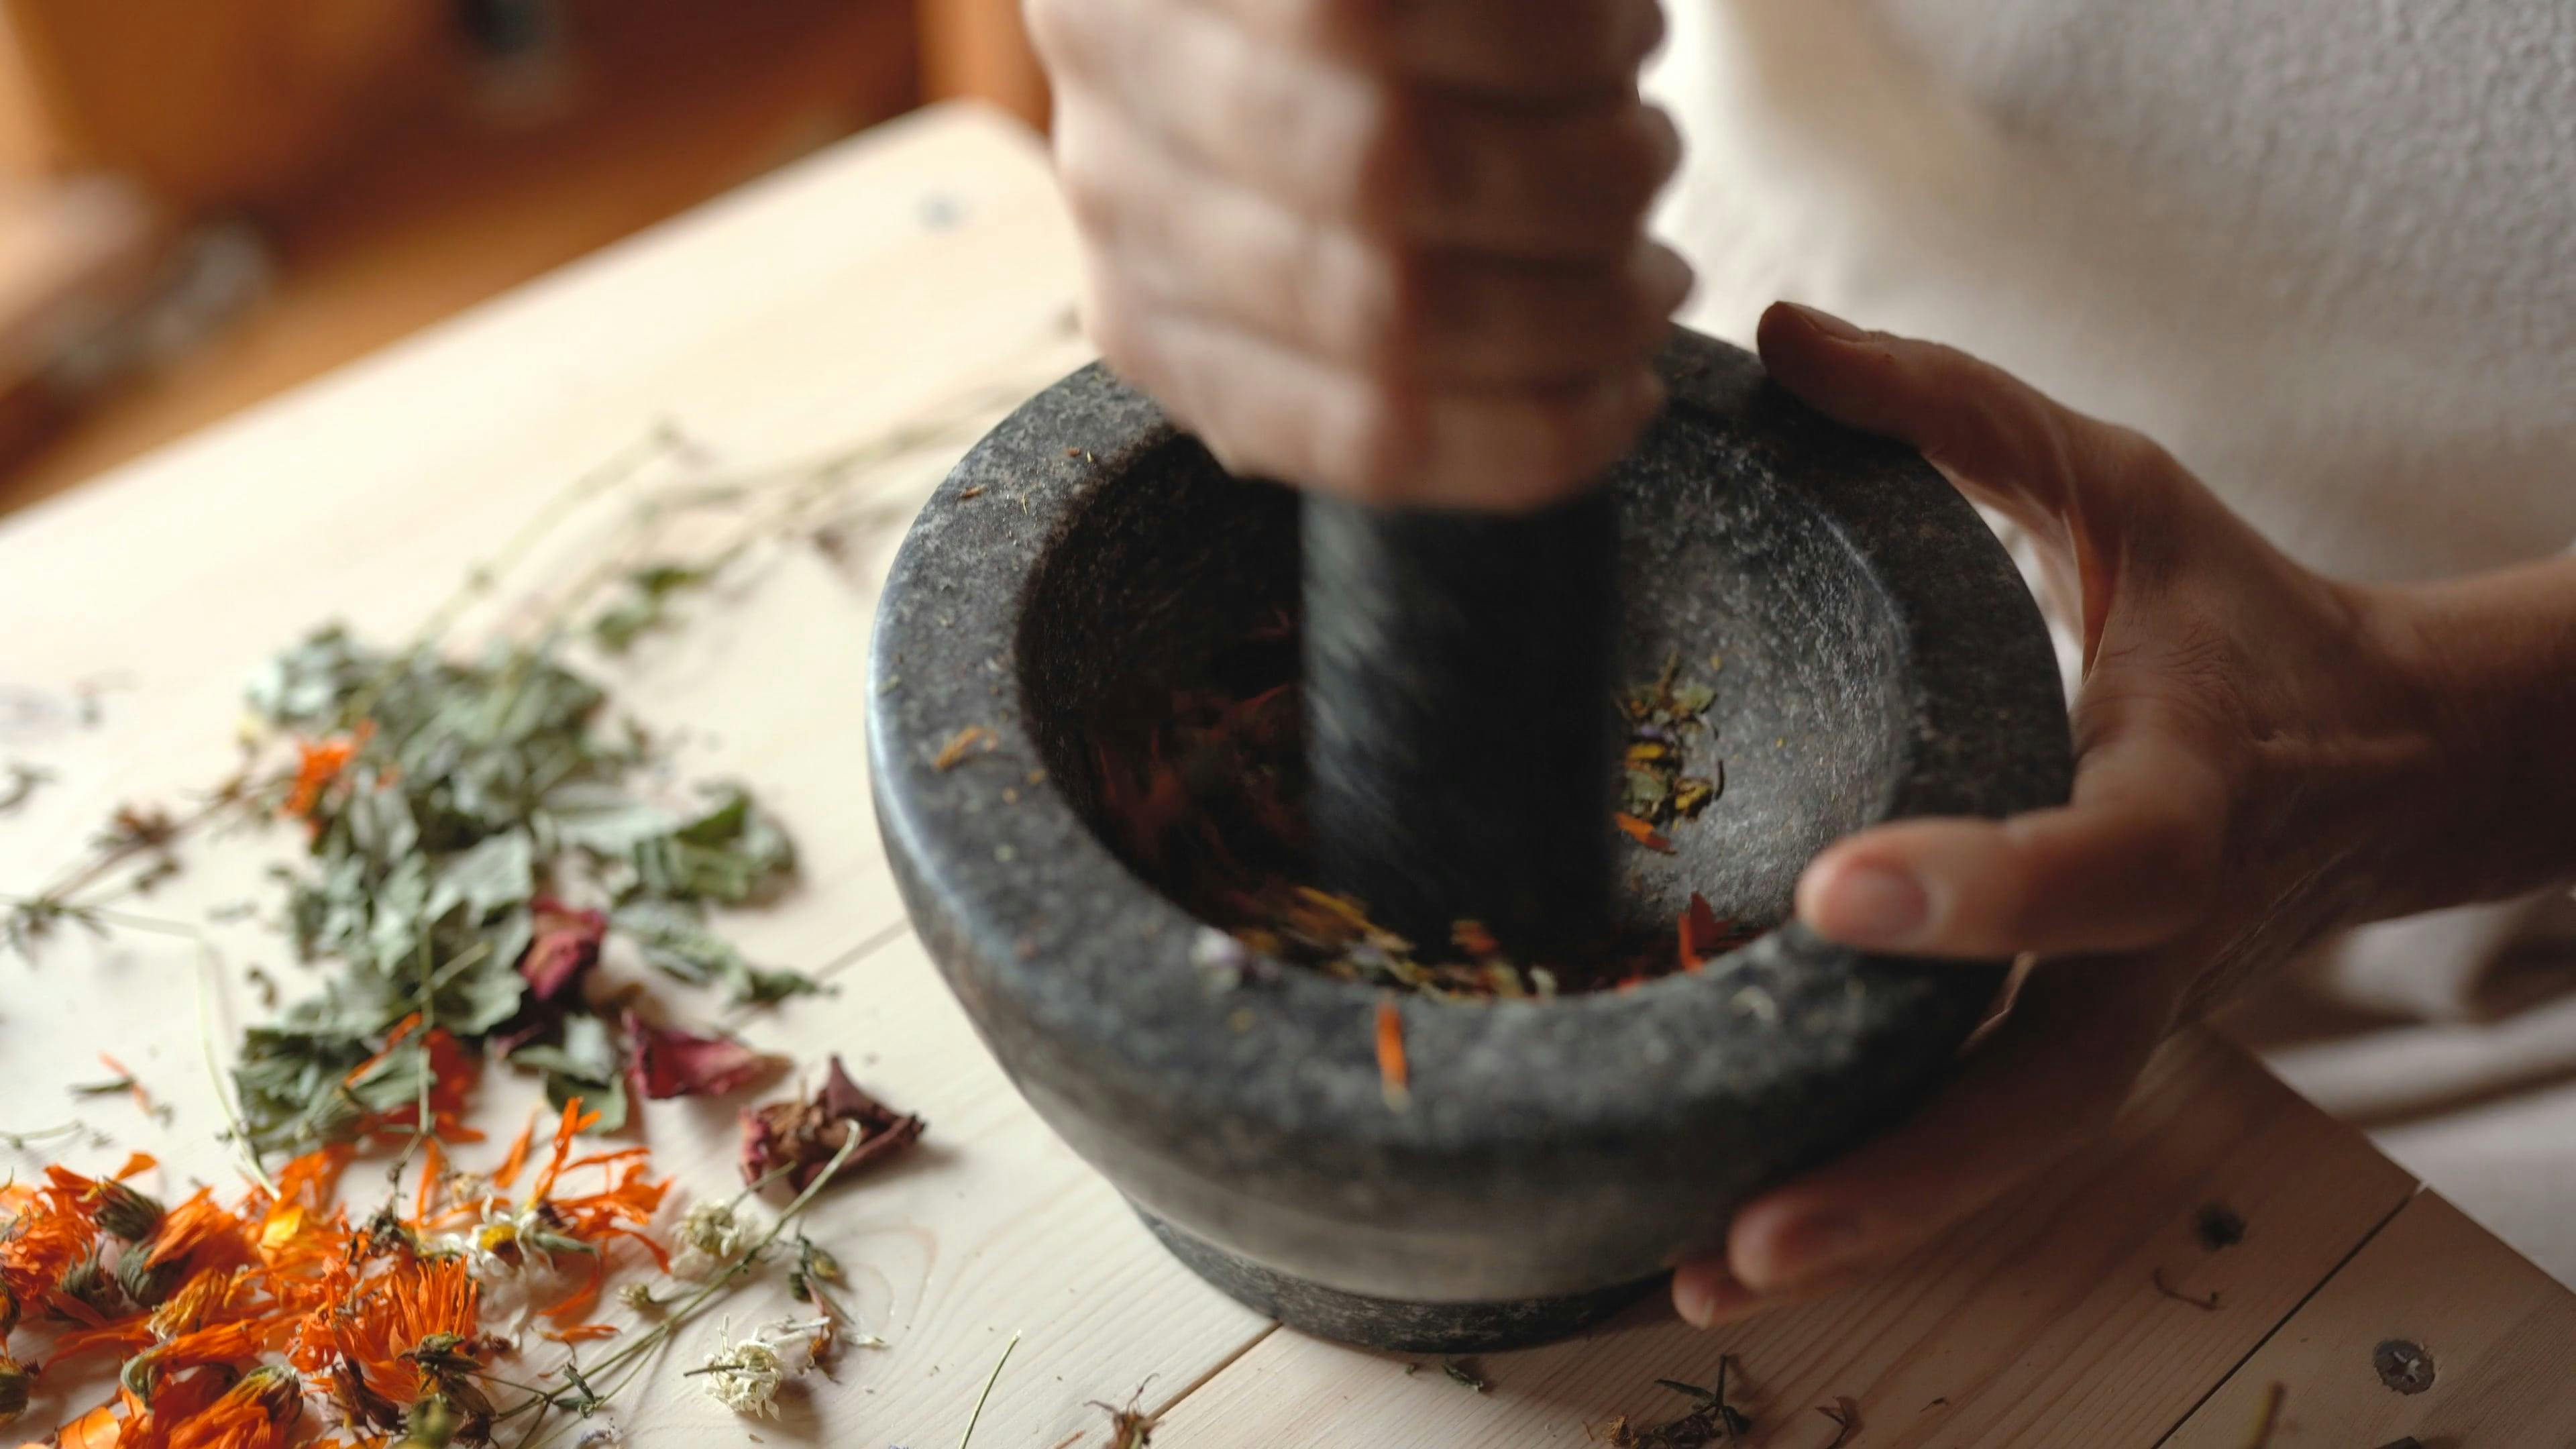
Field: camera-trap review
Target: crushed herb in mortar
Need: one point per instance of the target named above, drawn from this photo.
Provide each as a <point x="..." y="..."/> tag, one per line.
<point x="1206" y="799"/>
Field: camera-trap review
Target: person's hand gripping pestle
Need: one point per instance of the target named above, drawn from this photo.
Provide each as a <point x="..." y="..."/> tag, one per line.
<point x="1393" y="252"/>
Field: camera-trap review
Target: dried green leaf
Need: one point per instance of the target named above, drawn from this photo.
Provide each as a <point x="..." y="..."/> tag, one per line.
<point x="497" y="873"/>
<point x="675" y="941"/>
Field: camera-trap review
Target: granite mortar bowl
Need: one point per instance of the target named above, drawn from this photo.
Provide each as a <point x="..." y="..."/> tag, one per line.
<point x="1880" y="658"/>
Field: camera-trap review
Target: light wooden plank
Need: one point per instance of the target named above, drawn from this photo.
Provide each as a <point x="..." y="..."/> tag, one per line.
<point x="925" y="273"/>
<point x="2501" y="1335"/>
<point x="2036" y="1324"/>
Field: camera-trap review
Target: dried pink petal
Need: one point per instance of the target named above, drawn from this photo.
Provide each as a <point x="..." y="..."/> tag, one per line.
<point x="565" y="945"/>
<point x="666" y="1062"/>
<point x="802" y="1137"/>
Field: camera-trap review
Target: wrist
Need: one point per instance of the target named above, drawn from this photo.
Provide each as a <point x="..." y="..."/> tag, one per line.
<point x="2489" y="664"/>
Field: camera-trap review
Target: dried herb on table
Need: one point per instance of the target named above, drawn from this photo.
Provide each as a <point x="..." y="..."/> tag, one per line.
<point x="1462" y="1372"/>
<point x="1844" y="1414"/>
<point x="1715" y="1421"/>
<point x="840" y="1128"/>
<point x="397" y="1320"/>
<point x="21" y="784"/>
<point x="644" y="604"/>
<point x="667" y="1062"/>
<point x="2208" y="1304"/>
<point x="445" y="804"/>
<point x="1130" y="1427"/>
<point x="2267" y="1419"/>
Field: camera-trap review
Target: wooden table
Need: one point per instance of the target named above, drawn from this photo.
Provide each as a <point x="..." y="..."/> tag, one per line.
<point x="925" y="272"/>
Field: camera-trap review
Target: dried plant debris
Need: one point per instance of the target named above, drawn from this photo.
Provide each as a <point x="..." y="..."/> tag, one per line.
<point x="1464" y="1372"/>
<point x="643" y="603"/>
<point x="1714" y="1421"/>
<point x="2267" y="1418"/>
<point x="1203" y="791"/>
<point x="839" y="1129"/>
<point x="1130" y="1427"/>
<point x="18" y="784"/>
<point x="1844" y="1414"/>
<point x="2218" y="1227"/>
<point x="963" y="746"/>
<point x="446" y="803"/>
<point x="2206" y="1303"/>
<point x="1667" y="728"/>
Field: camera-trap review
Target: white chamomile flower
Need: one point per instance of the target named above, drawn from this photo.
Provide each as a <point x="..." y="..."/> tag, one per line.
<point x="744" y="1377"/>
<point x="712" y="1234"/>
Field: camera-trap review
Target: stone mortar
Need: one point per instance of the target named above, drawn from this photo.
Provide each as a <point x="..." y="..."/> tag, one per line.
<point x="1881" y="658"/>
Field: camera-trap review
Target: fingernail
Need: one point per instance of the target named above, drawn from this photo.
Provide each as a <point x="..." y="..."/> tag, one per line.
<point x="1827" y="323"/>
<point x="1811" y="1248"/>
<point x="1665" y="276"/>
<point x="1638" y="31"/>
<point x="1705" y="1295"/>
<point x="1875" y="905"/>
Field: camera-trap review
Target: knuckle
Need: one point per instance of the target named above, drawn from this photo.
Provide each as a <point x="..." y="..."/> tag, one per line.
<point x="1091" y="191"/>
<point x="1377" y="449"/>
<point x="1055" y="31"/>
<point x="1122" y="334"/>
<point x="1361" y="26"/>
<point x="1389" y="309"/>
<point x="1386" y="170"/>
<point x="1633" y="158"/>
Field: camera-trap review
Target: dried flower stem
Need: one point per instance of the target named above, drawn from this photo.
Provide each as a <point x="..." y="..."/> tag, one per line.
<point x="211" y="965"/>
<point x="627" y="1358"/>
<point x="991" y="1379"/>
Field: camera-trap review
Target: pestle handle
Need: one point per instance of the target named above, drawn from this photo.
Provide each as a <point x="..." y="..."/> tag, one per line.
<point x="1458" y="682"/>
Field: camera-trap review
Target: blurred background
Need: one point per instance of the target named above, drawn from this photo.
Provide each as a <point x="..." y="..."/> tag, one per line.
<point x="204" y="202"/>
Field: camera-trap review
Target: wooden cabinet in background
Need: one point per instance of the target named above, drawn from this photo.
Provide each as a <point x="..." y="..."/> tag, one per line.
<point x="223" y="103"/>
<point x="978" y="49"/>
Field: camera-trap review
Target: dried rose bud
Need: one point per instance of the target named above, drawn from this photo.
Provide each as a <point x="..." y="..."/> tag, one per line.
<point x="666" y="1063"/>
<point x="802" y="1138"/>
<point x="121" y="1212"/>
<point x="564" y="946"/>
<point x="16" y="1385"/>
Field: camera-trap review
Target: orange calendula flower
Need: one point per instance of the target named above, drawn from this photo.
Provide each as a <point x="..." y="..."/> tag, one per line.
<point x="255" y="1413"/>
<point x="195" y="1237"/>
<point x="1394" y="1075"/>
<point x="44" y="1238"/>
<point x="377" y="1331"/>
<point x="1641" y="832"/>
<point x="319" y="762"/>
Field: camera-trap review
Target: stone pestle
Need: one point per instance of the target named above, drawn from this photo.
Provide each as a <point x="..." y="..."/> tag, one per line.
<point x="1460" y="729"/>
